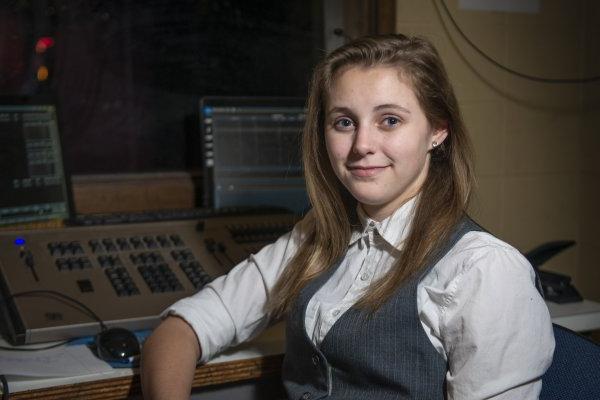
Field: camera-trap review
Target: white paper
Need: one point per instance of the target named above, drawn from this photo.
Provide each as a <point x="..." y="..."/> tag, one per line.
<point x="58" y="362"/>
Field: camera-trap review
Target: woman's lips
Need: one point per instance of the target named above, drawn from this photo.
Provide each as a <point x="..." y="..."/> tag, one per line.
<point x="365" y="172"/>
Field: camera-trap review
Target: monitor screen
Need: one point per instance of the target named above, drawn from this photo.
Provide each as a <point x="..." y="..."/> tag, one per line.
<point x="33" y="184"/>
<point x="251" y="148"/>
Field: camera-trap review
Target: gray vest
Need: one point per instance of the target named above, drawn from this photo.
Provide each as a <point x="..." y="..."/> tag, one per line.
<point x="383" y="356"/>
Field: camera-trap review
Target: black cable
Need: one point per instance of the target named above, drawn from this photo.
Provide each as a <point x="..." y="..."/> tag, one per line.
<point x="507" y="69"/>
<point x="5" y="392"/>
<point x="50" y="293"/>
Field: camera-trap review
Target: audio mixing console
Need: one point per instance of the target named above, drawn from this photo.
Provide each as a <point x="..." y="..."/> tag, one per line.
<point x="127" y="274"/>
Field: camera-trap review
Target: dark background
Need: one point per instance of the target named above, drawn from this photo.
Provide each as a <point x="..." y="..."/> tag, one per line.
<point x="127" y="75"/>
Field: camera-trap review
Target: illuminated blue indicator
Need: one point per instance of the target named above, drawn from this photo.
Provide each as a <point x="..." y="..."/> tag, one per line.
<point x="207" y="111"/>
<point x="19" y="241"/>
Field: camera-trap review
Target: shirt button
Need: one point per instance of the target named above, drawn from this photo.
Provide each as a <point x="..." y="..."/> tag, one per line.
<point x="365" y="276"/>
<point x="315" y="360"/>
<point x="306" y="396"/>
<point x="335" y="313"/>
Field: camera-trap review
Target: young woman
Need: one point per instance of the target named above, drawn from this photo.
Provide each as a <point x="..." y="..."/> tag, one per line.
<point x="389" y="290"/>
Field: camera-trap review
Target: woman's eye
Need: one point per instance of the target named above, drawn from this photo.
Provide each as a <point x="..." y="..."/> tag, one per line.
<point x="343" y="124"/>
<point x="391" y="121"/>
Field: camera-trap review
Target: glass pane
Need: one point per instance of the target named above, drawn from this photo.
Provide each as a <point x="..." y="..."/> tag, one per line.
<point x="127" y="75"/>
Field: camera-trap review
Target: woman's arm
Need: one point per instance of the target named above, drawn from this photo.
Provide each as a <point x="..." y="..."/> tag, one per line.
<point x="496" y="328"/>
<point x="169" y="359"/>
<point x="228" y="311"/>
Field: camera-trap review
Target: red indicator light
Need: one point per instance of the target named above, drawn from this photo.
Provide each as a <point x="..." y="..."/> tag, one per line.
<point x="43" y="44"/>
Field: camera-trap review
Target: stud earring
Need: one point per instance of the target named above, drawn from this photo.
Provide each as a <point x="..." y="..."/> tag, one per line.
<point x="434" y="144"/>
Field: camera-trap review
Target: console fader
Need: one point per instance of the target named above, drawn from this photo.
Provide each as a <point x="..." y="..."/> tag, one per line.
<point x="126" y="274"/>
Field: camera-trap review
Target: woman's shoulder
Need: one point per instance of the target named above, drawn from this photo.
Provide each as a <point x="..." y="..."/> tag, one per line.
<point x="482" y="241"/>
<point x="479" y="260"/>
<point x="487" y="253"/>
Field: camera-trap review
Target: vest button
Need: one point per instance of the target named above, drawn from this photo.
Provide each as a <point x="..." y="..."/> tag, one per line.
<point x="306" y="396"/>
<point x="315" y="360"/>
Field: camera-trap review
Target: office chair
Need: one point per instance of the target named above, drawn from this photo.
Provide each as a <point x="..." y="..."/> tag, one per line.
<point x="575" y="370"/>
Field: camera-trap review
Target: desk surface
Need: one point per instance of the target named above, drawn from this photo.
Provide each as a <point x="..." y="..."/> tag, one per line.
<point x="580" y="317"/>
<point x="260" y="358"/>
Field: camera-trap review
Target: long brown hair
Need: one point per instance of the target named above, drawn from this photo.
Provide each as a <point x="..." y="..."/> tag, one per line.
<point x="443" y="197"/>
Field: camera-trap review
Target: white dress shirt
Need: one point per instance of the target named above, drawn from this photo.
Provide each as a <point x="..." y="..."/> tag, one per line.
<point x="478" y="305"/>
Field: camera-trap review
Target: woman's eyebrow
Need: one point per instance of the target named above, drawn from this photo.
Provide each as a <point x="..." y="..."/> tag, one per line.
<point x="341" y="110"/>
<point x="392" y="106"/>
<point x="346" y="110"/>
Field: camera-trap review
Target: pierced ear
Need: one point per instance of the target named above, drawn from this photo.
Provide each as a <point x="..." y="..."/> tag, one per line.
<point x="439" y="135"/>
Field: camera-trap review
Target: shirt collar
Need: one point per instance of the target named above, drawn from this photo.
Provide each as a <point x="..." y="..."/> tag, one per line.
<point x="394" y="229"/>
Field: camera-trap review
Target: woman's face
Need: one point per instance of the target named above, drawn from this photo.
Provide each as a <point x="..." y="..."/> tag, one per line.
<point x="378" y="138"/>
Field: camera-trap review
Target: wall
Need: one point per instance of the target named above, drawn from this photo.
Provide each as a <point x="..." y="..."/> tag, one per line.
<point x="534" y="183"/>
<point x="590" y="146"/>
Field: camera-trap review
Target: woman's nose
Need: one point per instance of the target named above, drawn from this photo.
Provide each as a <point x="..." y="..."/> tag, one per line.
<point x="364" y="141"/>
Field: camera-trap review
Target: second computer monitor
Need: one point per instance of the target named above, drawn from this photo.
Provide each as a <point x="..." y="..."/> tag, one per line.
<point x="251" y="149"/>
<point x="33" y="183"/>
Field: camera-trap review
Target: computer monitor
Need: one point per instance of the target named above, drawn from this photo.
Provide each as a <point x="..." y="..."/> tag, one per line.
<point x="251" y="148"/>
<point x="33" y="184"/>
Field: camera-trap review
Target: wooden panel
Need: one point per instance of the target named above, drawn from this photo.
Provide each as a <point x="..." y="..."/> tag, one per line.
<point x="386" y="16"/>
<point x="134" y="192"/>
<point x="369" y="17"/>
<point x="358" y="18"/>
<point x="128" y="387"/>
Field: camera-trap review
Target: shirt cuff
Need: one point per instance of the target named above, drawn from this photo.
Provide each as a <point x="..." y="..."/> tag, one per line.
<point x="209" y="319"/>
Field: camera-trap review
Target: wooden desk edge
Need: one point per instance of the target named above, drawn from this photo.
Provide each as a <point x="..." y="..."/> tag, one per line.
<point x="127" y="386"/>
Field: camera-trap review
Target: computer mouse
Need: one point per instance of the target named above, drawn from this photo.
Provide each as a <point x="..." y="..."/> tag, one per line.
<point x="117" y="345"/>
